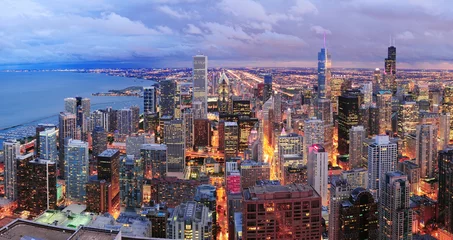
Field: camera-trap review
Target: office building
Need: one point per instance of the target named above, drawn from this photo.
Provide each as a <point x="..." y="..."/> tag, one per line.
<point x="149" y="99"/>
<point x="70" y="105"/>
<point x="124" y="121"/>
<point x="187" y="116"/>
<point x="357" y="177"/>
<point x="313" y="134"/>
<point x="294" y="173"/>
<point x="200" y="85"/>
<point x="382" y="158"/>
<point x="367" y="92"/>
<point x="135" y="119"/>
<point x="412" y="171"/>
<point x="384" y="108"/>
<point x="426" y="149"/>
<point x="318" y="167"/>
<point x="231" y="140"/>
<point x="348" y="116"/>
<point x="281" y="212"/>
<point x="395" y="214"/>
<point x="356" y="138"/>
<point x="174" y="138"/>
<point x="324" y="73"/>
<point x="50" y="139"/>
<point x="340" y="190"/>
<point x="252" y="171"/>
<point x="241" y="107"/>
<point x="76" y="170"/>
<point x="99" y="196"/>
<point x="390" y="70"/>
<point x="444" y="130"/>
<point x="445" y="162"/>
<point x="267" y="90"/>
<point x="167" y="97"/>
<point x="223" y="94"/>
<point x="246" y="126"/>
<point x="154" y="158"/>
<point x="36" y="184"/>
<point x="190" y="220"/>
<point x="447" y="106"/>
<point x="376" y="80"/>
<point x="99" y="140"/>
<point x="171" y="190"/>
<point x="202" y="133"/>
<point x="358" y="216"/>
<point x="11" y="150"/>
<point x="109" y="170"/>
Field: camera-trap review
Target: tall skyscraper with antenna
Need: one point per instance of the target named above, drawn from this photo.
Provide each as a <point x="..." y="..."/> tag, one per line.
<point x="324" y="74"/>
<point x="390" y="68"/>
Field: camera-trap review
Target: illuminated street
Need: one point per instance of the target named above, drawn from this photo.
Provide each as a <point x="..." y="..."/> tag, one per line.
<point x="222" y="219"/>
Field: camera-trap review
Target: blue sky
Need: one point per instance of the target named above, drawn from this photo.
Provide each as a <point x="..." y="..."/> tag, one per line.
<point x="233" y="33"/>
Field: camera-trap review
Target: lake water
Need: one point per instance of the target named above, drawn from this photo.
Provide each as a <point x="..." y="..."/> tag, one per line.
<point x="29" y="98"/>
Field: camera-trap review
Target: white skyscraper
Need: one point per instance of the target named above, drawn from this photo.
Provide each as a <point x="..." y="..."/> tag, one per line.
<point x="318" y="170"/>
<point x="313" y="134"/>
<point x="70" y="105"/>
<point x="382" y="158"/>
<point x="11" y="150"/>
<point x="200" y="83"/>
<point x="48" y="144"/>
<point x="76" y="169"/>
<point x="356" y="137"/>
<point x="426" y="149"/>
<point x="395" y="214"/>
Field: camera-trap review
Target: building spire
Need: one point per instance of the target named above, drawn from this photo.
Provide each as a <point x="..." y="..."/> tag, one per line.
<point x="324" y="39"/>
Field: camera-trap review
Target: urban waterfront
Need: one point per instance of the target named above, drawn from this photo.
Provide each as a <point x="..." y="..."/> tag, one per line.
<point x="30" y="98"/>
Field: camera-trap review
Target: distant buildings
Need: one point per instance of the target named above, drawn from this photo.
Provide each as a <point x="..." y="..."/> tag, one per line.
<point x="324" y="73"/>
<point x="167" y="102"/>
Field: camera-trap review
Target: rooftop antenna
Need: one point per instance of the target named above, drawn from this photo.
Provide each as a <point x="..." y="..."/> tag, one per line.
<point x="324" y="39"/>
<point x="390" y="40"/>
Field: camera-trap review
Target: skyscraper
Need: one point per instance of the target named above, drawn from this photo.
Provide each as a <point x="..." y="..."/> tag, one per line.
<point x="384" y="106"/>
<point x="281" y="212"/>
<point x="252" y="171"/>
<point x="76" y="170"/>
<point x="382" y="158"/>
<point x="395" y="214"/>
<point x="11" y="150"/>
<point x="154" y="157"/>
<point x="124" y="121"/>
<point x="340" y="190"/>
<point x="190" y="220"/>
<point x="187" y="116"/>
<point x="36" y="184"/>
<point x="426" y="149"/>
<point x="223" y="94"/>
<point x="99" y="140"/>
<point x="444" y="130"/>
<point x="48" y="144"/>
<point x="313" y="134"/>
<point x="40" y="128"/>
<point x="377" y="80"/>
<point x="67" y="130"/>
<point x="109" y="170"/>
<point x="324" y="73"/>
<point x="267" y="91"/>
<point x="318" y="170"/>
<point x="367" y="91"/>
<point x="447" y="107"/>
<point x="356" y="138"/>
<point x="175" y="140"/>
<point x="231" y="140"/>
<point x="407" y="125"/>
<point x="131" y="181"/>
<point x="445" y="162"/>
<point x="167" y="97"/>
<point x="358" y="216"/>
<point x="390" y="70"/>
<point x="200" y="83"/>
<point x="70" y="105"/>
<point x="149" y="99"/>
<point x="348" y="116"/>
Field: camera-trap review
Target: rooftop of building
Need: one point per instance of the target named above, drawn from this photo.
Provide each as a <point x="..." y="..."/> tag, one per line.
<point x="64" y="219"/>
<point x="395" y="174"/>
<point x="109" y="152"/>
<point x="410" y="164"/>
<point x="231" y="124"/>
<point x="279" y="192"/>
<point x="355" y="170"/>
<point x="251" y="163"/>
<point x="94" y="233"/>
<point x="153" y="146"/>
<point x="21" y="229"/>
<point x="268" y="182"/>
<point x="189" y="211"/>
<point x="292" y="156"/>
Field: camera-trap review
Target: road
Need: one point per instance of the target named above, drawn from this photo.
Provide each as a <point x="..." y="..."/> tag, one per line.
<point x="222" y="219"/>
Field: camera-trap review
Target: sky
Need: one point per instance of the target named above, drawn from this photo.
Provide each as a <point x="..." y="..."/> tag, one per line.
<point x="232" y="33"/>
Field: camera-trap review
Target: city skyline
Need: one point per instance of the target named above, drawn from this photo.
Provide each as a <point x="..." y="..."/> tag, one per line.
<point x="246" y="33"/>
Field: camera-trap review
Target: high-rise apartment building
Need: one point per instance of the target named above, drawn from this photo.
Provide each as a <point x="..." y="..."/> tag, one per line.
<point x="395" y="214"/>
<point x="356" y="138"/>
<point x="99" y="196"/>
<point x="187" y="116"/>
<point x="252" y="171"/>
<point x="149" y="99"/>
<point x="231" y="140"/>
<point x="382" y="158"/>
<point x="76" y="170"/>
<point x="447" y="106"/>
<point x="124" y="121"/>
<point x="190" y="220"/>
<point x="99" y="140"/>
<point x="444" y="130"/>
<point x="70" y="105"/>
<point x="154" y="158"/>
<point x="281" y="212"/>
<point x="445" y="162"/>
<point x="48" y="144"/>
<point x="67" y="130"/>
<point x="131" y="181"/>
<point x="340" y="190"/>
<point x="384" y="108"/>
<point x="171" y="190"/>
<point x="426" y="149"/>
<point x="313" y="134"/>
<point x="174" y="138"/>
<point x="36" y="184"/>
<point x="11" y="150"/>
<point x="200" y="84"/>
<point x="318" y="171"/>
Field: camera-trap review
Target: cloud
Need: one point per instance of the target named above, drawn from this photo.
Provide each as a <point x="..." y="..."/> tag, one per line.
<point x="177" y="13"/>
<point x="303" y="7"/>
<point x="407" y="35"/>
<point x="192" y="29"/>
<point x="320" y="30"/>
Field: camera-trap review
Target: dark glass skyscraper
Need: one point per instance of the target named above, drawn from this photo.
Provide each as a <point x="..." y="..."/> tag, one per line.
<point x="390" y="70"/>
<point x="445" y="161"/>
<point x="348" y="116"/>
<point x="149" y="99"/>
<point x="267" y="91"/>
<point x="167" y="97"/>
<point x="324" y="74"/>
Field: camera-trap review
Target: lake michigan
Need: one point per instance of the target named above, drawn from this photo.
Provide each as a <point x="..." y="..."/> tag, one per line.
<point x="29" y="98"/>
